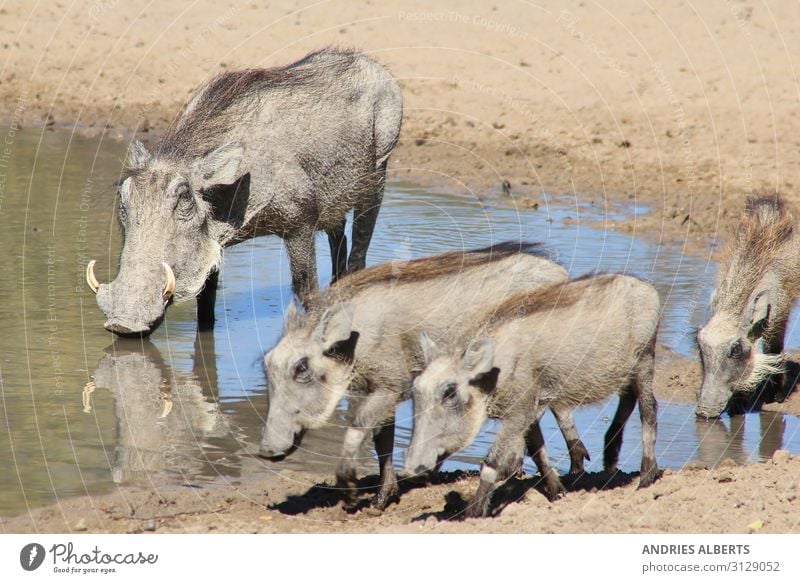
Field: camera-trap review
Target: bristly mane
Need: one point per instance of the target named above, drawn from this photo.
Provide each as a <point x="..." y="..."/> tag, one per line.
<point x="559" y="295"/>
<point x="229" y="96"/>
<point x="764" y="228"/>
<point x="426" y="268"/>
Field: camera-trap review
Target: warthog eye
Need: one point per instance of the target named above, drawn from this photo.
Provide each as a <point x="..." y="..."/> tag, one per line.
<point x="450" y="392"/>
<point x="737" y="351"/>
<point x="302" y="371"/>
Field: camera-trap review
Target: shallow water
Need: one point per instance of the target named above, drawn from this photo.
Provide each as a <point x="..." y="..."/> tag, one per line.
<point x="83" y="413"/>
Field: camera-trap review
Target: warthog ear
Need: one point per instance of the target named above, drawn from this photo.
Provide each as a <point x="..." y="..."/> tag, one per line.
<point x="335" y="326"/>
<point x="758" y="312"/>
<point x="295" y="316"/>
<point x="429" y="348"/>
<point x="478" y="358"/>
<point x="220" y="166"/>
<point x="137" y="156"/>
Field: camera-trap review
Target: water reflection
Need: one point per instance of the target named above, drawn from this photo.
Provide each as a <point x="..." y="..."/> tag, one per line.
<point x="719" y="440"/>
<point x="165" y="419"/>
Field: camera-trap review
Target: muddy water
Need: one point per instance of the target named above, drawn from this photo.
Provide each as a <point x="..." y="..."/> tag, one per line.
<point x="82" y="413"/>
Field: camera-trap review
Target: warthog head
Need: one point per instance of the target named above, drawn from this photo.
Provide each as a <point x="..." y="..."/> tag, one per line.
<point x="732" y="354"/>
<point x="450" y="398"/>
<point x="168" y="250"/>
<point x="308" y="373"/>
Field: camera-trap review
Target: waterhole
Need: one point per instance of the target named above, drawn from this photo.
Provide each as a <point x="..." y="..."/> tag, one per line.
<point x="83" y="412"/>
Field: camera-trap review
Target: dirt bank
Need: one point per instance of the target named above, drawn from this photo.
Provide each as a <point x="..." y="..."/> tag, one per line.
<point x="686" y="109"/>
<point x="730" y="499"/>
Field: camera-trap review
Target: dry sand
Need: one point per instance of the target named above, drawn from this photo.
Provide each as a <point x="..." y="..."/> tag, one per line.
<point x="686" y="108"/>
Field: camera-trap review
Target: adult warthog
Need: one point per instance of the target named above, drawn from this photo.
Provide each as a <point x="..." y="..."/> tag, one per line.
<point x="358" y="340"/>
<point x="286" y="151"/>
<point x="741" y="346"/>
<point x="566" y="345"/>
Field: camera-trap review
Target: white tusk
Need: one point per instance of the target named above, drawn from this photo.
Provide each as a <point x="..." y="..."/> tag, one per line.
<point x="90" y="278"/>
<point x="169" y="285"/>
<point x="166" y="405"/>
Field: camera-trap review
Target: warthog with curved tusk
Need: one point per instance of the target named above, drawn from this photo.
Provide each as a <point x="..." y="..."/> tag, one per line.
<point x="566" y="345"/>
<point x="287" y="151"/>
<point x="741" y="346"/>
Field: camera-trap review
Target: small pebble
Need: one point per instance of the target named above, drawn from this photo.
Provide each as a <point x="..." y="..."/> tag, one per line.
<point x="80" y="525"/>
<point x="149" y="526"/>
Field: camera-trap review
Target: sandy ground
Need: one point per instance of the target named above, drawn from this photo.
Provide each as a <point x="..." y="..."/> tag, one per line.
<point x="685" y="108"/>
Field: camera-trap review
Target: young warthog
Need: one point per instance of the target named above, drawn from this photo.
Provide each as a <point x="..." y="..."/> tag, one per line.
<point x="286" y="151"/>
<point x="357" y="340"/>
<point x="566" y="345"/>
<point x="741" y="346"/>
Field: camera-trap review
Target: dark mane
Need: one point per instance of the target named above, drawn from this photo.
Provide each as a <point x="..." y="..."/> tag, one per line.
<point x="559" y="295"/>
<point x="432" y="267"/>
<point x="223" y="100"/>
<point x="765" y="226"/>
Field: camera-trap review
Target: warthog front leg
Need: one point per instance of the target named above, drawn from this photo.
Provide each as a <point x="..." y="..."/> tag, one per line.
<point x="384" y="445"/>
<point x="577" y="451"/>
<point x="372" y="413"/>
<point x="502" y="462"/>
<point x="206" y="301"/>
<point x="534" y="442"/>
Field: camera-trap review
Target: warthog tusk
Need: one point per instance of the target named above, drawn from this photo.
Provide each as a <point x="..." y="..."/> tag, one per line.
<point x="166" y="404"/>
<point x="169" y="286"/>
<point x="90" y="278"/>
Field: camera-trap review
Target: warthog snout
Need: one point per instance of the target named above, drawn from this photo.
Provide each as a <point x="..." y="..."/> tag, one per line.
<point x="129" y="315"/>
<point x="276" y="446"/>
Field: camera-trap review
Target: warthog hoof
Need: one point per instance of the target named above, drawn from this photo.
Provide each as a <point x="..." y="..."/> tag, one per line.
<point x="385" y="497"/>
<point x="648" y="476"/>
<point x="347" y="488"/>
<point x="476" y="509"/>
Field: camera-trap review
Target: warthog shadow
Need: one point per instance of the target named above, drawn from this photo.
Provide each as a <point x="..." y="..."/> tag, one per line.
<point x="327" y="495"/>
<point x="516" y="488"/>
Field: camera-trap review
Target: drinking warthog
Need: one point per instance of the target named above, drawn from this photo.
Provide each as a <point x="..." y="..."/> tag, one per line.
<point x="357" y="340"/>
<point x="286" y="151"/>
<point x="568" y="344"/>
<point x="741" y="346"/>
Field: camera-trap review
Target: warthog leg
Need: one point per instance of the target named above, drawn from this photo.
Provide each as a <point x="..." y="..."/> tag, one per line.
<point x="648" y="412"/>
<point x="364" y="219"/>
<point x="613" y="438"/>
<point x="384" y="444"/>
<point x="502" y="461"/>
<point x="372" y="413"/>
<point x="302" y="262"/>
<point x="639" y="390"/>
<point x="205" y="302"/>
<point x="337" y="240"/>
<point x="534" y="442"/>
<point x="577" y="451"/>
